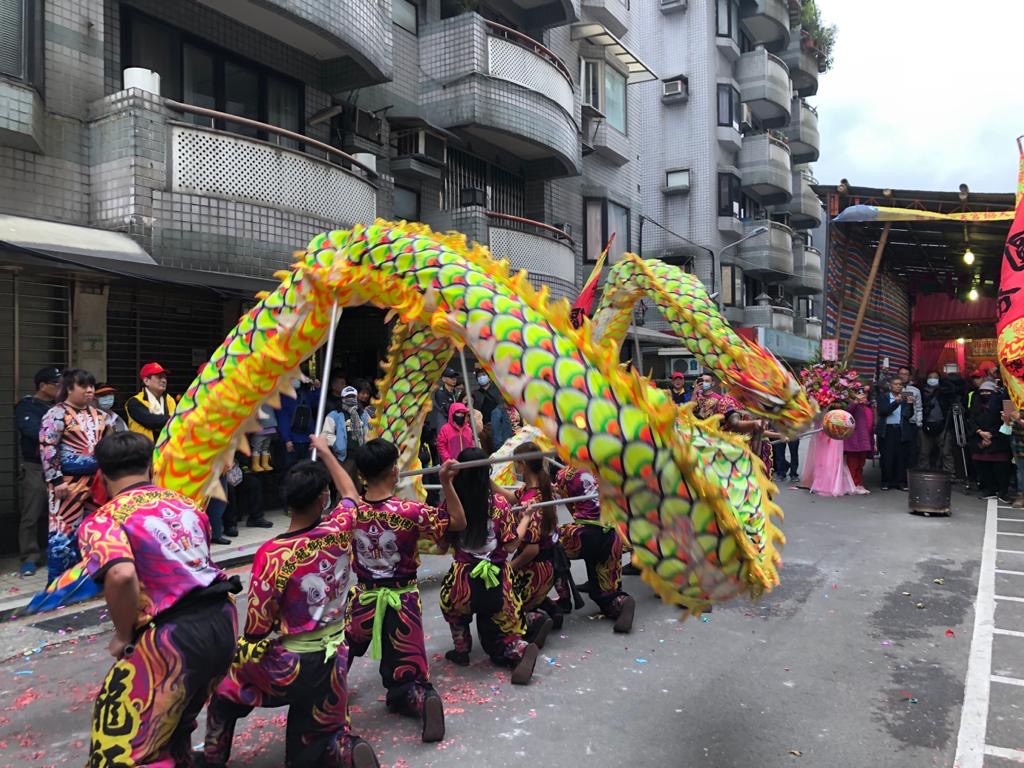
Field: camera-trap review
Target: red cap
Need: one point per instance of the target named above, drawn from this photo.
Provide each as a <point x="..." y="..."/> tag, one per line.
<point x="678" y="375"/>
<point x="977" y="374"/>
<point x="152" y="369"/>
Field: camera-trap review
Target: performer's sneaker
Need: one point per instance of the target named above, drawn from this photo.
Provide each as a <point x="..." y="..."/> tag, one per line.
<point x="557" y="620"/>
<point x="523" y="671"/>
<point x="433" y="717"/>
<point x="624" y="621"/>
<point x="458" y="657"/>
<point x="363" y="755"/>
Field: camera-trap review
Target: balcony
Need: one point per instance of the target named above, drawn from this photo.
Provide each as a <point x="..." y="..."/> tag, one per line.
<point x="351" y="38"/>
<point x="548" y="254"/>
<point x="768" y="257"/>
<point x="807" y="278"/>
<point x="803" y="64"/>
<point x="765" y="169"/>
<point x="614" y="14"/>
<point x="766" y="22"/>
<point x="767" y="316"/>
<point x="200" y="198"/>
<point x="505" y="90"/>
<point x="802" y="132"/>
<point x="807" y="327"/>
<point x="765" y="87"/>
<point x="805" y="208"/>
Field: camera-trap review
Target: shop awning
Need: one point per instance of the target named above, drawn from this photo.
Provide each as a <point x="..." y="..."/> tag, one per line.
<point x="39" y="242"/>
<point x="598" y="34"/>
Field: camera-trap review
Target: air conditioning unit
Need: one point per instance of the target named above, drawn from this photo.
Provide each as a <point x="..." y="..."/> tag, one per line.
<point x="588" y="130"/>
<point x="359" y="131"/>
<point x="746" y="121"/>
<point x="668" y="6"/>
<point x="677" y="88"/>
<point x="423" y="144"/>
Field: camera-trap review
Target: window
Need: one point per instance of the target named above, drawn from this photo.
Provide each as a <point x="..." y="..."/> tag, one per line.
<point x="604" y="90"/>
<point x="21" y="40"/>
<point x="732" y="286"/>
<point x="730" y="197"/>
<point x="727" y="19"/>
<point x="602" y="219"/>
<point x="615" y="99"/>
<point x="677" y="181"/>
<point x="198" y="73"/>
<point x="405" y="14"/>
<point x="728" y="106"/>
<point x="407" y="203"/>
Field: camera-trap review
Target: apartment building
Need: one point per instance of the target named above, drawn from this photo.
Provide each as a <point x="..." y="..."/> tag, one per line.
<point x="140" y="212"/>
<point x="726" y="167"/>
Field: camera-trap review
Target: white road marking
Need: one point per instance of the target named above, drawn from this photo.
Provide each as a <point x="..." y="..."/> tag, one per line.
<point x="1011" y="519"/>
<point x="1007" y="632"/>
<point x="1005" y="572"/>
<point x="1015" y="755"/>
<point x="1007" y="533"/>
<point x="1007" y="680"/>
<point x="1010" y="552"/>
<point x="1011" y="599"/>
<point x="970" y="742"/>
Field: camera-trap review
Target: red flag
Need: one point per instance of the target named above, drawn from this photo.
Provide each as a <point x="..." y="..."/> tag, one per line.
<point x="584" y="304"/>
<point x="1011" y="280"/>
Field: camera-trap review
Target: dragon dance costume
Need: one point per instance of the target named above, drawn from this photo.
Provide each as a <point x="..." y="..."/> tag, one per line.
<point x="299" y="588"/>
<point x="184" y="634"/>
<point x="587" y="538"/>
<point x="479" y="583"/>
<point x="384" y="613"/>
<point x="535" y="579"/>
<point x="67" y="439"/>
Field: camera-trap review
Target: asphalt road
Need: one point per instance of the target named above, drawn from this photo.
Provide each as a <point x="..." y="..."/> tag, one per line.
<point x="858" y="659"/>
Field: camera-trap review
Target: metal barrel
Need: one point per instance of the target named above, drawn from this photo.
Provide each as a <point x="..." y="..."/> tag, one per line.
<point x="929" y="492"/>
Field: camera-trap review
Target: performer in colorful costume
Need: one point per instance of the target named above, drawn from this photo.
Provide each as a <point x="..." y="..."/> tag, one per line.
<point x="384" y="613"/>
<point x="298" y="588"/>
<point x="174" y="618"/>
<point x="68" y="436"/>
<point x="598" y="545"/>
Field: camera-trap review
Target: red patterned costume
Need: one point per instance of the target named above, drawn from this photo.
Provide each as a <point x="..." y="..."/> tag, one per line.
<point x="298" y="589"/>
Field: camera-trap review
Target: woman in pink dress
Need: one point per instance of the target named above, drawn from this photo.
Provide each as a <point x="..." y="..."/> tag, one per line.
<point x="857" y="448"/>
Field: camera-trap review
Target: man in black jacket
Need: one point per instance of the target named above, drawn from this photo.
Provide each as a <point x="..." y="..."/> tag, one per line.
<point x="28" y="414"/>
<point x="937" y="438"/>
<point x="896" y="433"/>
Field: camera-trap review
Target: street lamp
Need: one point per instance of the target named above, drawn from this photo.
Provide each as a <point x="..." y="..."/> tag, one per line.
<point x="715" y="257"/>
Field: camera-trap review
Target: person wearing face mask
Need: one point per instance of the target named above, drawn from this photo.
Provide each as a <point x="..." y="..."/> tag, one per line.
<point x="455" y="436"/>
<point x="486" y="396"/>
<point x="937" y="438"/>
<point x="105" y="396"/>
<point x="346" y="428"/>
<point x="988" y="438"/>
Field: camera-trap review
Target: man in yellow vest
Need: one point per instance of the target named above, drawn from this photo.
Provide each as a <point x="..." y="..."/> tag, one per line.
<point x="149" y="410"/>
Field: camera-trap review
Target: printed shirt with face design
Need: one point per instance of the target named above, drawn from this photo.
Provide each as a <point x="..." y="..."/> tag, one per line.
<point x="573" y="482"/>
<point x="501" y="529"/>
<point x="386" y="534"/>
<point x="534" y="532"/>
<point x="163" y="533"/>
<point x="300" y="579"/>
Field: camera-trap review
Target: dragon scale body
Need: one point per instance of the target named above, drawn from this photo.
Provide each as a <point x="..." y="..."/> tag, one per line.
<point x="693" y="501"/>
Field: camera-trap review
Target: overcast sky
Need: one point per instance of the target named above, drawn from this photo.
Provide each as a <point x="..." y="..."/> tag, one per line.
<point x="924" y="94"/>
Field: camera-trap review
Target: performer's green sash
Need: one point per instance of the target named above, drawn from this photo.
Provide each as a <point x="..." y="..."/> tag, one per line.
<point x="385" y="597"/>
<point x="326" y="639"/>
<point x="487" y="571"/>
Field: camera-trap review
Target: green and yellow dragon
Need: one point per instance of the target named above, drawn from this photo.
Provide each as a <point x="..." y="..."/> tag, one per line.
<point x="693" y="501"/>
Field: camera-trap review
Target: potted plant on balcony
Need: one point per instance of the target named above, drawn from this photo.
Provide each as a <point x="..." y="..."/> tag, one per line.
<point x="821" y="37"/>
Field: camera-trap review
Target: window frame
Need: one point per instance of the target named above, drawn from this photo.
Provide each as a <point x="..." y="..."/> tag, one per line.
<point x="734" y="208"/>
<point x="732" y="21"/>
<point x="419" y="201"/>
<point x="416" y="16"/>
<point x="601" y="68"/>
<point x="732" y="283"/>
<point x="732" y="118"/>
<point x="180" y="38"/>
<point x="31" y="65"/>
<point x="588" y="242"/>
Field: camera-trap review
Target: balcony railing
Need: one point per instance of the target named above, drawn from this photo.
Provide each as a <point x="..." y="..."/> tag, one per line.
<point x="803" y="65"/>
<point x="765" y="86"/>
<point x="539" y="248"/>
<point x="769" y="256"/>
<point x="766" y="168"/>
<point x="527" y="42"/>
<point x="802" y="132"/>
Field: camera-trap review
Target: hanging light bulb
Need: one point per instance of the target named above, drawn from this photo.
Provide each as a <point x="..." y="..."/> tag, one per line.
<point x="972" y="294"/>
<point x="961" y="341"/>
<point x="968" y="257"/>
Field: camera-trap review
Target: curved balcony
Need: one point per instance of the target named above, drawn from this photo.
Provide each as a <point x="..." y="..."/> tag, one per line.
<point x="807" y="277"/>
<point x="765" y="87"/>
<point x="214" y="200"/>
<point x="614" y="14"/>
<point x="538" y="14"/>
<point x="768" y="257"/>
<point x="547" y="253"/>
<point x="808" y="327"/>
<point x="767" y="316"/>
<point x="766" y="170"/>
<point x="805" y="208"/>
<point x="351" y="37"/>
<point x="802" y="132"/>
<point x="766" y="22"/>
<point x="504" y="89"/>
<point x="803" y="64"/>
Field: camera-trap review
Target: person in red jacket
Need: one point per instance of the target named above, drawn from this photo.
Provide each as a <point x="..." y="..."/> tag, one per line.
<point x="457" y="435"/>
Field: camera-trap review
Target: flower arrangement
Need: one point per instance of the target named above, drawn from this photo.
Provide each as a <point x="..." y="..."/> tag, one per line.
<point x="830" y="385"/>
